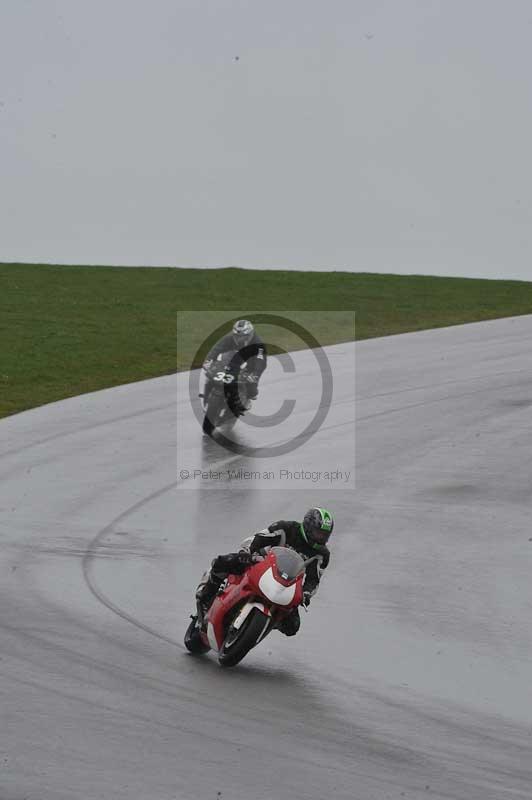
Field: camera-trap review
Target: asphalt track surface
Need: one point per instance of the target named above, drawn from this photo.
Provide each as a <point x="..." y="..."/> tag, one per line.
<point x="411" y="675"/>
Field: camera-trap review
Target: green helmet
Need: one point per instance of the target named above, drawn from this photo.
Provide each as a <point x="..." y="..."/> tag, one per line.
<point x="317" y="526"/>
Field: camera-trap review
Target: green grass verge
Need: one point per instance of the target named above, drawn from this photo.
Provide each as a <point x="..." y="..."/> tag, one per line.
<point x="68" y="330"/>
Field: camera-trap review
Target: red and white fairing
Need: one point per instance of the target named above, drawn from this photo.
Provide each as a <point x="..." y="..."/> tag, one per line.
<point x="266" y="586"/>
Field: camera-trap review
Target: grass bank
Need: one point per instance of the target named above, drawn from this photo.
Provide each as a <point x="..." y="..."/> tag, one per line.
<point x="68" y="330"/>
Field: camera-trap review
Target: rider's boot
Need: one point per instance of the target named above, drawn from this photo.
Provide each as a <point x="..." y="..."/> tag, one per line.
<point x="206" y="592"/>
<point x="241" y="405"/>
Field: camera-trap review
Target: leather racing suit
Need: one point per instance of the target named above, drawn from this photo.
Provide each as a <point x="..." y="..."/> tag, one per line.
<point x="285" y="533"/>
<point x="253" y="353"/>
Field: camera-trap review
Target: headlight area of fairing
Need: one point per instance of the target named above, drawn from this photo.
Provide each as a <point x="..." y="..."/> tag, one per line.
<point x="274" y="591"/>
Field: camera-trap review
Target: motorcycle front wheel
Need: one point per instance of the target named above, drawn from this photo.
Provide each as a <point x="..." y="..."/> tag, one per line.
<point x="213" y="414"/>
<point x="239" y="642"/>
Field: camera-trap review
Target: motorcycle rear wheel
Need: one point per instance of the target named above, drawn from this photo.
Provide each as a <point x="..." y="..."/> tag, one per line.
<point x="235" y="648"/>
<point x="193" y="641"/>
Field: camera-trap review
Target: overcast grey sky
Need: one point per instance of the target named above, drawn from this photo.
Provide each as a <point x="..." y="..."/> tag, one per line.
<point x="373" y="135"/>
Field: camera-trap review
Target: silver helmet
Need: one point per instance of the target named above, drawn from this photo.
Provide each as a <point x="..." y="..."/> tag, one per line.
<point x="243" y="332"/>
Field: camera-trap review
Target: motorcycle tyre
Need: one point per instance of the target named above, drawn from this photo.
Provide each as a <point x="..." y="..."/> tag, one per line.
<point x="247" y="637"/>
<point x="193" y="641"/>
<point x="211" y="420"/>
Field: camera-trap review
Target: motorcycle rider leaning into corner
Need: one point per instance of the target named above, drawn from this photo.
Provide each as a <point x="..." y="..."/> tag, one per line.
<point x="309" y="538"/>
<point x="251" y="349"/>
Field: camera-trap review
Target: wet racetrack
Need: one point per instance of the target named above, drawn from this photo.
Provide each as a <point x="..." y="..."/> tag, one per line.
<point x="410" y="676"/>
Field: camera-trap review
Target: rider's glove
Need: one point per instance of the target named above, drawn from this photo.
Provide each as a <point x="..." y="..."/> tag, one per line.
<point x="207" y="364"/>
<point x="249" y="558"/>
<point x="306" y="599"/>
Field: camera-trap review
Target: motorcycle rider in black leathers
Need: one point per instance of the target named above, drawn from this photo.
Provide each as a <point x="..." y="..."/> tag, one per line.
<point x="309" y="538"/>
<point x="251" y="349"/>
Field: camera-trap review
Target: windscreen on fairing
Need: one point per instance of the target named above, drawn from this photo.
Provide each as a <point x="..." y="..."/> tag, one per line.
<point x="289" y="563"/>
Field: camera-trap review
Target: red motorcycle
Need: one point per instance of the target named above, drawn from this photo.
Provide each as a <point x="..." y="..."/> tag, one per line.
<point x="249" y="606"/>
